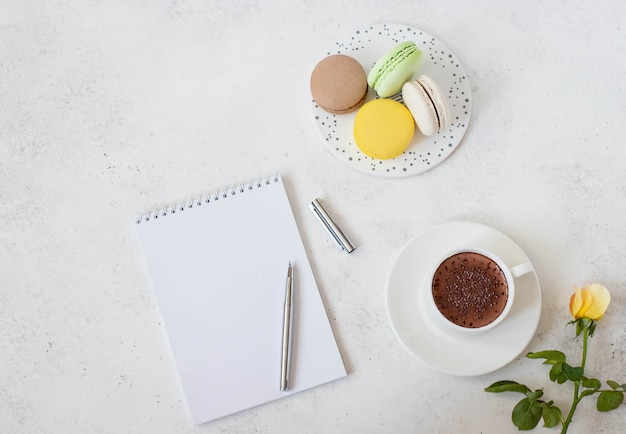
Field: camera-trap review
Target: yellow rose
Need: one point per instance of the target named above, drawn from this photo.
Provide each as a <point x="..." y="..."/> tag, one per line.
<point x="589" y="302"/>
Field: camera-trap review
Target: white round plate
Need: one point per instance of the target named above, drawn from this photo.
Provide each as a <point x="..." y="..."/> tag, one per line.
<point x="412" y="320"/>
<point x="367" y="46"/>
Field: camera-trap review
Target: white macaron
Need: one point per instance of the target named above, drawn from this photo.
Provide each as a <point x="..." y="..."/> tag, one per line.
<point x="428" y="104"/>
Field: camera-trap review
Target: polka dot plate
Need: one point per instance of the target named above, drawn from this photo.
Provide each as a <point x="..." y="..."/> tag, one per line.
<point x="367" y="45"/>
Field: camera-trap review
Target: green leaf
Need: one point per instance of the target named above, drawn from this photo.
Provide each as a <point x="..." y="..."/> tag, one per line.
<point x="592" y="328"/>
<point x="588" y="392"/>
<point x="579" y="327"/>
<point x="609" y="400"/>
<point x="526" y="414"/>
<point x="551" y="415"/>
<point x="573" y="374"/>
<point x="613" y="384"/>
<point x="584" y="323"/>
<point x="591" y="383"/>
<point x="533" y="396"/>
<point x="556" y="374"/>
<point x="507" y="386"/>
<point x="552" y="356"/>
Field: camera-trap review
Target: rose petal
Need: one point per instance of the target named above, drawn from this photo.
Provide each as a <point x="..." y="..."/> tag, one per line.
<point x="575" y="302"/>
<point x="586" y="300"/>
<point x="601" y="297"/>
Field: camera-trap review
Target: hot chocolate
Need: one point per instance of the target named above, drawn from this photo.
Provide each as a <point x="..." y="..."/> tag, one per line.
<point x="470" y="289"/>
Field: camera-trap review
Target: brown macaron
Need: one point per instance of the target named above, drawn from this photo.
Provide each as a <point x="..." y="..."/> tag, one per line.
<point x="339" y="84"/>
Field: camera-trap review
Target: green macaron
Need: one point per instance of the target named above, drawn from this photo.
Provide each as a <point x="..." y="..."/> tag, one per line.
<point x="395" y="68"/>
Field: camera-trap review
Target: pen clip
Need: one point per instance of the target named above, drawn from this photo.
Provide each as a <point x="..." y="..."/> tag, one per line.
<point x="333" y="229"/>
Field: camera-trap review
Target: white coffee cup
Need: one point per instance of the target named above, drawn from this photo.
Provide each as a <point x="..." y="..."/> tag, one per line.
<point x="466" y="290"/>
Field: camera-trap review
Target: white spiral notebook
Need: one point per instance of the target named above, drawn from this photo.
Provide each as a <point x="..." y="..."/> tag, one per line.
<point x="218" y="266"/>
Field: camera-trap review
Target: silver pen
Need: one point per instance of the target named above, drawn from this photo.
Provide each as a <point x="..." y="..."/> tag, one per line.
<point x="287" y="331"/>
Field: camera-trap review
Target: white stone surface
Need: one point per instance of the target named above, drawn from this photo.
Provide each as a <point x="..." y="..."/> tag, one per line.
<point x="108" y="108"/>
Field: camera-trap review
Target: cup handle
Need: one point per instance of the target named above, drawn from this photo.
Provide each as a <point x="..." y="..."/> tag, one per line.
<point x="521" y="269"/>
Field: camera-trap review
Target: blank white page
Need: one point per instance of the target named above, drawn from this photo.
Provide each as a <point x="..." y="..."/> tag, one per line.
<point x="218" y="270"/>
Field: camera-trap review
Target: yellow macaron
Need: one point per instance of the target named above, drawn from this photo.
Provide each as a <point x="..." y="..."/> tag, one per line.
<point x="383" y="128"/>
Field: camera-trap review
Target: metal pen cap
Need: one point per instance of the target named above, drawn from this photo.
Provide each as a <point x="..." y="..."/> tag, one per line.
<point x="330" y="225"/>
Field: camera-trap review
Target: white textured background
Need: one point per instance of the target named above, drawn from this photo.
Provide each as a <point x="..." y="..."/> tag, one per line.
<point x="108" y="108"/>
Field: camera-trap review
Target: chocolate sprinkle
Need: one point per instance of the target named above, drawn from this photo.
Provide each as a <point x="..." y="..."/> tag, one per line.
<point x="470" y="289"/>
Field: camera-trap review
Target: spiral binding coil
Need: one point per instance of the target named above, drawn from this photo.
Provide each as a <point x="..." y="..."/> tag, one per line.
<point x="206" y="198"/>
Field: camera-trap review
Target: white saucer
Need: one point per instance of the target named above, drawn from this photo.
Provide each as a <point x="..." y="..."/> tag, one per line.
<point x="411" y="319"/>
